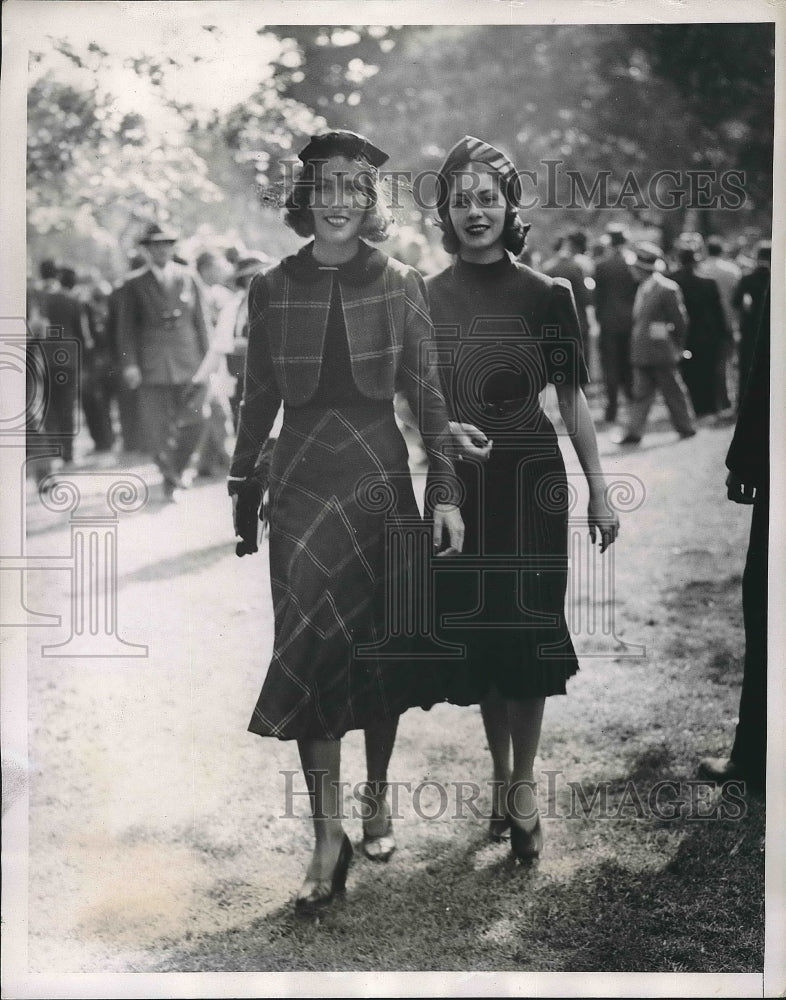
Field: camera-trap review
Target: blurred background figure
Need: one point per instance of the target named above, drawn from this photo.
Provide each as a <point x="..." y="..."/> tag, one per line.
<point x="41" y="453"/>
<point x="126" y="397"/>
<point x="212" y="454"/>
<point x="64" y="320"/>
<point x="231" y="338"/>
<point x="726" y="276"/>
<point x="214" y="272"/>
<point x="615" y="290"/>
<point x="569" y="262"/>
<point x="162" y="337"/>
<point x="707" y="331"/>
<point x="93" y="395"/>
<point x="748" y="300"/>
<point x="660" y="323"/>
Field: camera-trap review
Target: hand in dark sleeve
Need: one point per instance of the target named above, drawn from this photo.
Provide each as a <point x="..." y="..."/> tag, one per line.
<point x="748" y="458"/>
<point x="261" y="395"/>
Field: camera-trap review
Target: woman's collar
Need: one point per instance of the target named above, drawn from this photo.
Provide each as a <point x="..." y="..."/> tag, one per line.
<point x="367" y="265"/>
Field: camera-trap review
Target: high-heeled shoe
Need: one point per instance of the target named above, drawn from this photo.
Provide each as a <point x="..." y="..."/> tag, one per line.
<point x="525" y="845"/>
<point x="379" y="848"/>
<point x="498" y="827"/>
<point x="315" y="894"/>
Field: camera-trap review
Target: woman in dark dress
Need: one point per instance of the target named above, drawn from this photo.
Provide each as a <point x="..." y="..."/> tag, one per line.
<point x="504" y="332"/>
<point x="334" y="332"/>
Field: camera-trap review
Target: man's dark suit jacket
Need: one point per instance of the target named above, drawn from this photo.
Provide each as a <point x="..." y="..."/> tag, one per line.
<point x="615" y="291"/>
<point x="707" y="326"/>
<point x="162" y="331"/>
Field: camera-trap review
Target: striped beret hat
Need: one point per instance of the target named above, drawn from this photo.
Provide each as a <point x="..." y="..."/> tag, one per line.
<point x="467" y="150"/>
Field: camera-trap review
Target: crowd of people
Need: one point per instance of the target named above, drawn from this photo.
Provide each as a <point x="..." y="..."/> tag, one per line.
<point x="684" y="323"/>
<point x="154" y="363"/>
<point x="160" y="357"/>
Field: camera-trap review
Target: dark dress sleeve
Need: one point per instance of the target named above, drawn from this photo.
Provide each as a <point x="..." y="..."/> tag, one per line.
<point x="563" y="344"/>
<point x="261" y="395"/>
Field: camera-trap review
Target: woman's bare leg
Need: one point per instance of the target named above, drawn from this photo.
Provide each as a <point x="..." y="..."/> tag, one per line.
<point x="379" y="749"/>
<point x="525" y="718"/>
<point x="494" y="710"/>
<point x="321" y="762"/>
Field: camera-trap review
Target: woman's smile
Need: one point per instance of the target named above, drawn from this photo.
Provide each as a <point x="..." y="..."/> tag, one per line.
<point x="477" y="212"/>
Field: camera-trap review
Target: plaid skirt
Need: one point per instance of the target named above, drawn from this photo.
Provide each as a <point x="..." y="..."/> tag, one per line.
<point x="340" y="489"/>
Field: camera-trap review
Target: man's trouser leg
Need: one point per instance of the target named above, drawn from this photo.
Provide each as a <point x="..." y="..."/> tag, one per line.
<point x="156" y="411"/>
<point x="644" y="385"/>
<point x="676" y="398"/>
<point x="611" y="376"/>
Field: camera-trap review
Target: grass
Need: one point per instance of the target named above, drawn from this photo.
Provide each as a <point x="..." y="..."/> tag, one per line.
<point x="628" y="891"/>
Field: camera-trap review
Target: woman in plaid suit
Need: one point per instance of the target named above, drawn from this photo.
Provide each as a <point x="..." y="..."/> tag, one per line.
<point x="334" y="332"/>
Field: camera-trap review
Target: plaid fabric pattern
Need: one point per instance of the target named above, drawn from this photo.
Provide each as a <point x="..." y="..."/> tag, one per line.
<point x="389" y="332"/>
<point x="332" y="574"/>
<point x="332" y="564"/>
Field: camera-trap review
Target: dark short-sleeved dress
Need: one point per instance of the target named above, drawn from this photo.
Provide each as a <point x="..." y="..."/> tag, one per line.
<point x="504" y="331"/>
<point x="341" y="494"/>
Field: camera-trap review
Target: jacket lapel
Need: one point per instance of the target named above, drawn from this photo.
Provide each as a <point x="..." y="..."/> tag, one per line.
<point x="153" y="290"/>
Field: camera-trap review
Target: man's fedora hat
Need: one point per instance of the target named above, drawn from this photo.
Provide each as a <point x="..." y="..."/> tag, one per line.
<point x="153" y="233"/>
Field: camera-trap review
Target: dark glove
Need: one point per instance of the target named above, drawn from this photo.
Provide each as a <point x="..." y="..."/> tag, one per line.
<point x="247" y="516"/>
<point x="250" y="507"/>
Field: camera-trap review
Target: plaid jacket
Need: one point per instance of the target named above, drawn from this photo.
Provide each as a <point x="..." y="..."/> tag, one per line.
<point x="390" y="338"/>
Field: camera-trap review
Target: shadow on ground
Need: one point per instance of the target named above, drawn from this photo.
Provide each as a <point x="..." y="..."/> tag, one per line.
<point x="469" y="906"/>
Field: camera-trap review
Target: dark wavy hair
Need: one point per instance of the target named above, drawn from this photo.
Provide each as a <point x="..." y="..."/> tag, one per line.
<point x="299" y="217"/>
<point x="514" y="233"/>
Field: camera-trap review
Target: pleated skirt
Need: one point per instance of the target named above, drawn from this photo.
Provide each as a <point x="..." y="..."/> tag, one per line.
<point x="503" y="599"/>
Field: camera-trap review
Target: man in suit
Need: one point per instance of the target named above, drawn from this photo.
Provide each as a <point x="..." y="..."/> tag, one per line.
<point x="615" y="290"/>
<point x="565" y="264"/>
<point x="748" y="482"/>
<point x="162" y="337"/>
<point x="659" y="326"/>
<point x="727" y="276"/>
<point x="127" y="398"/>
<point x="707" y="331"/>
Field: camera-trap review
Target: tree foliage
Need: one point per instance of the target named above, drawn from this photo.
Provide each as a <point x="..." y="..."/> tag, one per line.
<point x="627" y="100"/>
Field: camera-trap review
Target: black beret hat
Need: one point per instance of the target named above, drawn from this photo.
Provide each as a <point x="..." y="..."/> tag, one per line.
<point x="342" y="142"/>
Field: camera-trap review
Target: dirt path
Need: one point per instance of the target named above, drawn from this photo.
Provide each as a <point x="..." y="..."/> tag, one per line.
<point x="156" y="837"/>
